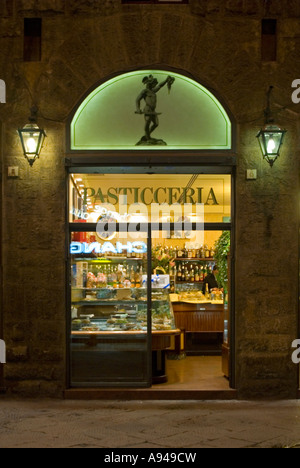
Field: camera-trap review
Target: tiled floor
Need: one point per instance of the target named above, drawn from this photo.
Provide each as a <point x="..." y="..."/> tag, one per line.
<point x="195" y="373"/>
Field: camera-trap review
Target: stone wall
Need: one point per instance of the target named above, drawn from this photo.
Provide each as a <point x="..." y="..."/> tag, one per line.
<point x="216" y="42"/>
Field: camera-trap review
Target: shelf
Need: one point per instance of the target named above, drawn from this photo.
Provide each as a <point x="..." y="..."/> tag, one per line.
<point x="194" y="259"/>
<point x="113" y="302"/>
<point x="103" y="260"/>
<point x="74" y="288"/>
<point x="126" y="332"/>
<point x="189" y="282"/>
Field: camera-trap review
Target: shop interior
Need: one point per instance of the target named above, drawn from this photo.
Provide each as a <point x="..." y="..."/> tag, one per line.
<point x="185" y="329"/>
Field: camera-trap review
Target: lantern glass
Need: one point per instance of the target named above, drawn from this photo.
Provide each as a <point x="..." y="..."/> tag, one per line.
<point x="271" y="139"/>
<point x="32" y="139"/>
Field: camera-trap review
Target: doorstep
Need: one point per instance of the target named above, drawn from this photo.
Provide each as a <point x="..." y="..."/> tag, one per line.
<point x="147" y="394"/>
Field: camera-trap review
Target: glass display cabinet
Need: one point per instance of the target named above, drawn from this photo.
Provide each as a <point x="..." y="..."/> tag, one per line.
<point x="117" y="322"/>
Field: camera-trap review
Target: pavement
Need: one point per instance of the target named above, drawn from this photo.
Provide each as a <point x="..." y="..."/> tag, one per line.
<point x="148" y="424"/>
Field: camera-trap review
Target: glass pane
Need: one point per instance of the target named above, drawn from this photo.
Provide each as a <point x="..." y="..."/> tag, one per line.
<point x="199" y="267"/>
<point x="190" y="258"/>
<point x="109" y="304"/>
<point x="132" y="197"/>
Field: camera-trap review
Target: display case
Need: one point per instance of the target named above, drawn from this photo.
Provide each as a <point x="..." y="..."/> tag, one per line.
<point x="110" y="295"/>
<point x="109" y="320"/>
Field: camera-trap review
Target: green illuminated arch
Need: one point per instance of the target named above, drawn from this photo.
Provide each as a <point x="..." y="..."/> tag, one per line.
<point x="190" y="116"/>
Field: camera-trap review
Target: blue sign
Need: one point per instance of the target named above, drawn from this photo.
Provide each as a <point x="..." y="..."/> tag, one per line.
<point x="85" y="248"/>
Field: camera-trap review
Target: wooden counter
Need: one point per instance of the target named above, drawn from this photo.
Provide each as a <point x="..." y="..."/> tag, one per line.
<point x="199" y="318"/>
<point x="203" y="324"/>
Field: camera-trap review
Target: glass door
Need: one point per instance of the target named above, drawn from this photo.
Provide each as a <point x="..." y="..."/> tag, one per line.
<point x="140" y="249"/>
<point x="110" y="320"/>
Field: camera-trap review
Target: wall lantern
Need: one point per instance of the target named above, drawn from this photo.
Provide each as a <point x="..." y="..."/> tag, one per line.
<point x="271" y="136"/>
<point x="32" y="138"/>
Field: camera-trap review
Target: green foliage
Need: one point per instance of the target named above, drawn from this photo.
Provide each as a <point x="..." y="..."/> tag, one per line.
<point x="161" y="261"/>
<point x="222" y="249"/>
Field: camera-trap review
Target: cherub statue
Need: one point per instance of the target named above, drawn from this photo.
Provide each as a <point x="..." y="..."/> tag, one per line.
<point x="151" y="116"/>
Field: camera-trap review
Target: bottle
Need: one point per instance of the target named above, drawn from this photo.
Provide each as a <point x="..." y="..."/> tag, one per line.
<point x="187" y="274"/>
<point x="207" y="296"/>
<point x="183" y="274"/>
<point x="207" y="252"/>
<point x="123" y="276"/>
<point x="138" y="277"/>
<point x="179" y="274"/>
<point x="132" y="277"/>
<point x="109" y="277"/>
<point x="190" y="253"/>
<point x="115" y="278"/>
<point x="194" y="253"/>
<point x="141" y="276"/>
<point x="192" y="276"/>
<point x="197" y="275"/>
<point x="179" y="253"/>
<point x="202" y="274"/>
<point x="174" y="252"/>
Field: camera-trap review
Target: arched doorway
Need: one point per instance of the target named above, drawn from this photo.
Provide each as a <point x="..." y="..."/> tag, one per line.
<point x="145" y="140"/>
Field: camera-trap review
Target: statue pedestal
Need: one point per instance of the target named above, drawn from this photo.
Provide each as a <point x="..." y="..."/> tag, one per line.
<point x="152" y="142"/>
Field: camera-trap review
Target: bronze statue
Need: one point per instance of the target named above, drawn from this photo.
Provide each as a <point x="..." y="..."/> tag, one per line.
<point x="151" y="116"/>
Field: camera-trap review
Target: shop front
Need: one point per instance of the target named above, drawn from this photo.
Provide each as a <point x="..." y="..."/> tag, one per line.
<point x="83" y="313"/>
<point x="151" y="238"/>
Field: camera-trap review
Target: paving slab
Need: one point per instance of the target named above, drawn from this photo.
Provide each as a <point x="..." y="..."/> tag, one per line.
<point x="148" y="424"/>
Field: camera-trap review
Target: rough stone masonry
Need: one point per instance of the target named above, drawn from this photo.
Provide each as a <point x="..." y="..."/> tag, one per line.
<point x="216" y="42"/>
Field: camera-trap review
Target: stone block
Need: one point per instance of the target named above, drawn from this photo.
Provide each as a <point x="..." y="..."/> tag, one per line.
<point x="198" y="7"/>
<point x="18" y="333"/>
<point x="6" y="8"/>
<point x="50" y="7"/>
<point x="234" y="6"/>
<point x="265" y="390"/>
<point x="36" y="389"/>
<point x="17" y="353"/>
<point x="47" y="372"/>
<point x="214" y="6"/>
<point x="90" y="7"/>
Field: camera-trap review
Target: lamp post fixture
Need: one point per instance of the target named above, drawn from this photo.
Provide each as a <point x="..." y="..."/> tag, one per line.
<point x="271" y="136"/>
<point x="32" y="138"/>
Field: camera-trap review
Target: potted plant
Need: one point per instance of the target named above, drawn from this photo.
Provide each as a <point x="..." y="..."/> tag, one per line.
<point x="222" y="249"/>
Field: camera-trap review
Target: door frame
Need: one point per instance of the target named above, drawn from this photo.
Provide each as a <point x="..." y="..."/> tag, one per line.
<point x="79" y="164"/>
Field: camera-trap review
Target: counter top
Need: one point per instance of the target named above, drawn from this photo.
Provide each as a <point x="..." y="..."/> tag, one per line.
<point x="124" y="332"/>
<point x="186" y="301"/>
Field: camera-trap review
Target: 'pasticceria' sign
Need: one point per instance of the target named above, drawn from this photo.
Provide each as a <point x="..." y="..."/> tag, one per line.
<point x="149" y="195"/>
